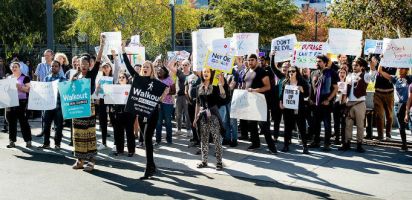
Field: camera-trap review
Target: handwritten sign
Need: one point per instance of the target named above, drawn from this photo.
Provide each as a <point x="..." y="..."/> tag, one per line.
<point x="113" y="41"/>
<point x="397" y="53"/>
<point x="222" y="46"/>
<point x="178" y="55"/>
<point x="103" y="80"/>
<point x="9" y="95"/>
<point x="291" y="97"/>
<point x="116" y="94"/>
<point x="373" y="46"/>
<point x="144" y="96"/>
<point x="43" y="95"/>
<point x="305" y="53"/>
<point x="201" y="42"/>
<point x="283" y="46"/>
<point x="134" y="40"/>
<point x="219" y="61"/>
<point x="75" y="98"/>
<point x="345" y="41"/>
<point x="342" y="87"/>
<point x="248" y="106"/>
<point x="245" y="43"/>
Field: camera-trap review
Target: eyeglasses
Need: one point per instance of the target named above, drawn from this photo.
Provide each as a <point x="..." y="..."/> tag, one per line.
<point x="291" y="71"/>
<point x="186" y="65"/>
<point x="122" y="77"/>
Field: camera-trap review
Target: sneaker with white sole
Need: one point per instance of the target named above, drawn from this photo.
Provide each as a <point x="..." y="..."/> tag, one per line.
<point x="101" y="147"/>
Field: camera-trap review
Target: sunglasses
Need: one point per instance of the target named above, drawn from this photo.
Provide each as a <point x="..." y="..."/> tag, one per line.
<point x="122" y="77"/>
<point x="291" y="71"/>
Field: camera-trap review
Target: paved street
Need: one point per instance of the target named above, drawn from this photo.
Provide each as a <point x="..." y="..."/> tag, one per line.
<point x="382" y="173"/>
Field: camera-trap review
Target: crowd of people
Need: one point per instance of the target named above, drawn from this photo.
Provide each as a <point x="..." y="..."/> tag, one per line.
<point x="335" y="90"/>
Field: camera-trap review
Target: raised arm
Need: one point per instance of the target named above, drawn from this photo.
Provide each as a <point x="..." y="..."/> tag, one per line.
<point x="126" y="60"/>
<point x="116" y="68"/>
<point x="273" y="66"/>
<point x="96" y="66"/>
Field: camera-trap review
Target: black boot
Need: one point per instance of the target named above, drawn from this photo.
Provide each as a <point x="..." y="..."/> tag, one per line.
<point x="359" y="148"/>
<point x="345" y="146"/>
<point x="149" y="172"/>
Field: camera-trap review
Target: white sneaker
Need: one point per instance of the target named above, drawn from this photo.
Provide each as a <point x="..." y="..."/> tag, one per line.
<point x="101" y="147"/>
<point x="114" y="149"/>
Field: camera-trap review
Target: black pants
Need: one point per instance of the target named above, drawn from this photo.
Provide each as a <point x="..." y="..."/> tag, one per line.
<point x="291" y="119"/>
<point x="322" y="114"/>
<point x="103" y="119"/>
<point x="339" y="122"/>
<point x="124" y="122"/>
<point x="19" y="113"/>
<point x="264" y="129"/>
<point x="55" y="116"/>
<point x="191" y="108"/>
<point x="147" y="129"/>
<point x="277" y="118"/>
<point x="402" y="125"/>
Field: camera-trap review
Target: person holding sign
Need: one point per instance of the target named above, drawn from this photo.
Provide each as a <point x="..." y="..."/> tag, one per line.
<point x="123" y="122"/>
<point x="54" y="115"/>
<point x="357" y="82"/>
<point x="207" y="118"/>
<point x="324" y="89"/>
<point x="19" y="112"/>
<point x="147" y="74"/>
<point x="287" y="101"/>
<point x="84" y="129"/>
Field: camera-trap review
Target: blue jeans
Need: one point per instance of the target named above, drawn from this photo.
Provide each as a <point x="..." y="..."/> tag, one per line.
<point x="231" y="133"/>
<point x="224" y="112"/>
<point x="165" y="113"/>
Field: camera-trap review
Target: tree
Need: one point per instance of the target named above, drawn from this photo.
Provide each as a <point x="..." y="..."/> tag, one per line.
<point x="24" y="24"/>
<point x="148" y="18"/>
<point x="269" y="18"/>
<point x="377" y="18"/>
<point x="307" y="18"/>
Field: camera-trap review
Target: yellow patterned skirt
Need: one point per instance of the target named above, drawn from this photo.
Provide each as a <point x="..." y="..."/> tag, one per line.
<point x="84" y="136"/>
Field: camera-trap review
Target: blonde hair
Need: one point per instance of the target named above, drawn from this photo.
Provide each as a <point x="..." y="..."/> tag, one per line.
<point x="150" y="64"/>
<point x="65" y="62"/>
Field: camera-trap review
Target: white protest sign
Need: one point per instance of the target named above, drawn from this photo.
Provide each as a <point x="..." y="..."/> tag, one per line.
<point x="116" y="94"/>
<point x="291" y="97"/>
<point x="305" y="53"/>
<point x="397" y="53"/>
<point x="248" y="106"/>
<point x="222" y="45"/>
<point x="219" y="61"/>
<point x="136" y="55"/>
<point x="345" y="41"/>
<point x="135" y="40"/>
<point x="43" y="95"/>
<point x="283" y="46"/>
<point x="201" y="42"/>
<point x="113" y="41"/>
<point x="178" y="55"/>
<point x="9" y="95"/>
<point x="245" y="43"/>
<point x="101" y="81"/>
<point x="373" y="46"/>
<point x="342" y="87"/>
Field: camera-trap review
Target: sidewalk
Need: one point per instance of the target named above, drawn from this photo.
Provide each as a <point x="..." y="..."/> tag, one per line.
<point x="379" y="173"/>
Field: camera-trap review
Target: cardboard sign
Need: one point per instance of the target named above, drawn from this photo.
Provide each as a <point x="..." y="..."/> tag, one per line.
<point x="397" y="53"/>
<point x="103" y="80"/>
<point x="248" y="106"/>
<point x="222" y="46"/>
<point x="342" y="87"/>
<point x="116" y="94"/>
<point x="9" y="95"/>
<point x="283" y="46"/>
<point x="135" y="40"/>
<point x="113" y="41"/>
<point x="178" y="55"/>
<point x="305" y="53"/>
<point x="43" y="95"/>
<point x="345" y="41"/>
<point x="75" y="98"/>
<point x="144" y="96"/>
<point x="219" y="61"/>
<point x="291" y="97"/>
<point x="201" y="42"/>
<point x="245" y="43"/>
<point x="373" y="46"/>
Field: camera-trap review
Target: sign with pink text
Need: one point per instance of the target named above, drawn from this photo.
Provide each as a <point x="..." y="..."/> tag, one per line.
<point x="397" y="53"/>
<point x="304" y="55"/>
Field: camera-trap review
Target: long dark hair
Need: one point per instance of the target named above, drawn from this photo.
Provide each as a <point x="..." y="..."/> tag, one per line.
<point x="212" y="75"/>
<point x="299" y="76"/>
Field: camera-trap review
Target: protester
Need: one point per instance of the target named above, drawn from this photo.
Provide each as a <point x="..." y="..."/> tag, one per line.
<point x="19" y="112"/>
<point x="3" y="74"/>
<point x="357" y="82"/>
<point x="191" y="88"/>
<point x="123" y="122"/>
<point x="339" y="107"/>
<point x="166" y="107"/>
<point x="231" y="128"/>
<point x="23" y="67"/>
<point x="295" y="117"/>
<point x="62" y="58"/>
<point x="383" y="101"/>
<point x="324" y="89"/>
<point x="54" y="115"/>
<point x="84" y="129"/>
<point x="75" y="68"/>
<point x="181" y="101"/>
<point x="207" y="118"/>
<point x="257" y="80"/>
